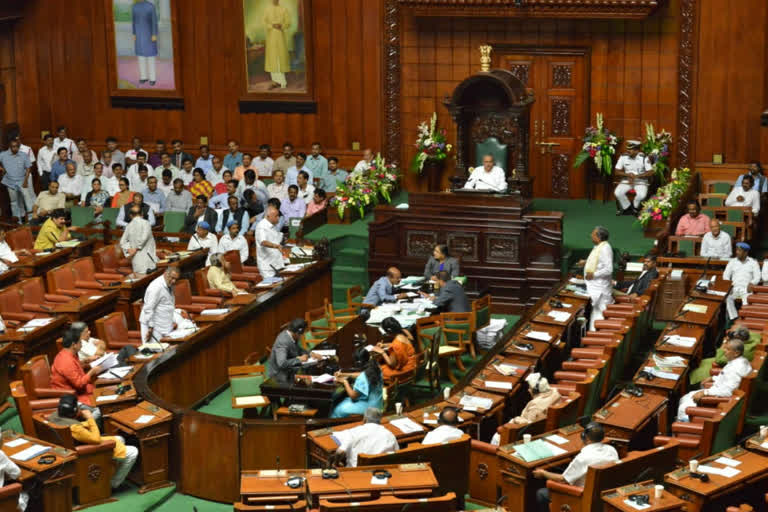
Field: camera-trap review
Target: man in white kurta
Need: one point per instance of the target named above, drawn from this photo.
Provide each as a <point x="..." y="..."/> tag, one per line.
<point x="9" y="469"/>
<point x="598" y="271"/>
<point x="723" y="384"/>
<point x="745" y="195"/>
<point x="488" y="177"/>
<point x="232" y="240"/>
<point x="446" y="431"/>
<point x="370" y="438"/>
<point x="744" y="273"/>
<point x="634" y="168"/>
<point x="205" y="240"/>
<point x="365" y="164"/>
<point x="7" y="255"/>
<point x="156" y="319"/>
<point x="269" y="253"/>
<point x="138" y="243"/>
<point x="277" y="63"/>
<point x="717" y="243"/>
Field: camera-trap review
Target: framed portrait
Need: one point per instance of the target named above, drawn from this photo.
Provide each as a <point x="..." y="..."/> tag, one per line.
<point x="277" y="56"/>
<point x="143" y="52"/>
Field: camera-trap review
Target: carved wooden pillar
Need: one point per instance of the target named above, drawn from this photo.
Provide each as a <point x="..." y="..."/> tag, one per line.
<point x="392" y="81"/>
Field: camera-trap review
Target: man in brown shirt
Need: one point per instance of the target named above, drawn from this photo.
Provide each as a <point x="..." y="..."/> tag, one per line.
<point x="286" y="160"/>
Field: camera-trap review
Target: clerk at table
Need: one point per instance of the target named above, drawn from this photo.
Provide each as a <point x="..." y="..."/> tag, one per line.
<point x="441" y="260"/>
<point x="287" y="355"/>
<point x="382" y="289"/>
<point x="450" y="297"/>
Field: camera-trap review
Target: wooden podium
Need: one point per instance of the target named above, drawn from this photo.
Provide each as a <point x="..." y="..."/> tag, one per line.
<point x="503" y="247"/>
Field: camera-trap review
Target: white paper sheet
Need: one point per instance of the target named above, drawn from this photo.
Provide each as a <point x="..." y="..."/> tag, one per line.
<point x="556" y="439"/>
<point x="538" y="335"/>
<point x="322" y="379"/>
<point x="144" y="418"/>
<point x="680" y="341"/>
<point x="635" y="505"/>
<point x="407" y="425"/>
<point x="94" y="297"/>
<point x="726" y="461"/>
<point x="16" y="442"/>
<point x="475" y="402"/>
<point x="38" y="322"/>
<point x="31" y="452"/>
<point x="250" y="400"/>
<point x="559" y="316"/>
<point x="727" y="472"/>
<point x="662" y="375"/>
<point x="325" y="353"/>
<point x="106" y="398"/>
<point x="116" y="373"/>
<point x="498" y="384"/>
<point x="215" y="311"/>
<point x="107" y="361"/>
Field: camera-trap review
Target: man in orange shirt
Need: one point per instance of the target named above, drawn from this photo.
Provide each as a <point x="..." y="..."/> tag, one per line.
<point x="67" y="373"/>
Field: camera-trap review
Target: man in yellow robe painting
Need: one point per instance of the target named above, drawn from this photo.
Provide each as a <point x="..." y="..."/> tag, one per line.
<point x="277" y="62"/>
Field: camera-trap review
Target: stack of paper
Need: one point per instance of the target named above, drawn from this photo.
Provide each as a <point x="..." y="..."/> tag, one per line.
<point x="661" y="374"/>
<point x="669" y="362"/>
<point x="215" y="311"/>
<point x="475" y="402"/>
<point x="538" y="335"/>
<point x="38" y="322"/>
<point x="537" y="450"/>
<point x="507" y="369"/>
<point x="695" y="308"/>
<point x="680" y="341"/>
<point x="715" y="292"/>
<point x="407" y="425"/>
<point x="490" y="334"/>
<point x="31" y="452"/>
<point x="322" y="379"/>
<point x="180" y="333"/>
<point x="727" y="472"/>
<point x="559" y="316"/>
<point x="107" y="361"/>
<point x="498" y="384"/>
<point x="116" y="373"/>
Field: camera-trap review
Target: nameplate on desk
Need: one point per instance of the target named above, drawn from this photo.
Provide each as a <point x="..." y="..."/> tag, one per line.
<point x="498" y="384"/>
<point x="695" y="308"/>
<point x="250" y="400"/>
<point x="416" y="466"/>
<point x="272" y="473"/>
<point x="570" y="429"/>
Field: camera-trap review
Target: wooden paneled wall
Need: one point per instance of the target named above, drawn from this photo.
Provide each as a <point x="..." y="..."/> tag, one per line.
<point x="60" y="71"/>
<point x="633" y="75"/>
<point x="731" y="81"/>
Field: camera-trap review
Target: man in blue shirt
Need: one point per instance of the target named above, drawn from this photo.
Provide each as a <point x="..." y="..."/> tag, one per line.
<point x="234" y="158"/>
<point x="756" y="171"/>
<point x="382" y="289"/>
<point x="205" y="162"/>
<point x="59" y="166"/>
<point x="317" y="164"/>
<point x="153" y="196"/>
<point x="334" y="176"/>
<point x="17" y="166"/>
<point x="293" y="172"/>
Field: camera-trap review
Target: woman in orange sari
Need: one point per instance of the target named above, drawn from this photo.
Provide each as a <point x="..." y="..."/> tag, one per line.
<point x="123" y="196"/>
<point x="200" y="186"/>
<point x="400" y="357"/>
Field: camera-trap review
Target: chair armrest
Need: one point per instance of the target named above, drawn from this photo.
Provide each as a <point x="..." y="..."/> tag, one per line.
<point x="702" y="412"/>
<point x="53" y="297"/>
<point x="87" y="449"/>
<point x="571" y="490"/>
<point x="51" y="392"/>
<point x="89" y="285"/>
<point x="587" y="353"/>
<point x="680" y="427"/>
<point x="205" y="300"/>
<point x="21" y="317"/>
<point x="570" y="376"/>
<point x="712" y="401"/>
<point x="685" y="442"/>
<point x="582" y="365"/>
<point x="134" y="335"/>
<point x="71" y="293"/>
<point x="484" y="447"/>
<point x="105" y="276"/>
<point x="36" y="308"/>
<point x="598" y="342"/>
<point x="213" y="292"/>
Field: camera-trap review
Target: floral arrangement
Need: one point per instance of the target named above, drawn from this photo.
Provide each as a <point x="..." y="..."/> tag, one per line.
<point x="667" y="198"/>
<point x="431" y="145"/>
<point x="600" y="145"/>
<point x="656" y="147"/>
<point x="363" y="189"/>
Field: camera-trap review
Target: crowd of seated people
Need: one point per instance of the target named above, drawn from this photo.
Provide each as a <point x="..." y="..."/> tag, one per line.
<point x="166" y="180"/>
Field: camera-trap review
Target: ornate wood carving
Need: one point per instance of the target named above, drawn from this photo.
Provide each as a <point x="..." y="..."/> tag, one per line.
<point x="521" y="71"/>
<point x="494" y="125"/>
<point x="685" y="81"/>
<point x="562" y="76"/>
<point x="614" y="9"/>
<point x="561" y="116"/>
<point x="392" y="81"/>
<point x="560" y="175"/>
<point x="502" y="249"/>
<point x="420" y="243"/>
<point x="482" y="471"/>
<point x="463" y="246"/>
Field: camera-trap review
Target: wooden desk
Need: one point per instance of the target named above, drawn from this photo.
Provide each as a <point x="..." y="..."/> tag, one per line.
<point x="719" y="491"/>
<point x="102" y="398"/>
<point x="497" y="401"/>
<point x="111" y="381"/>
<point x="41" y="340"/>
<point x="152" y="471"/>
<point x="88" y="308"/>
<point x="614" y="499"/>
<point x="516" y="476"/>
<point x="757" y="444"/>
<point x="188" y="261"/>
<point x="267" y="488"/>
<point x="41" y="263"/>
<point x="706" y="319"/>
<point x="55" y="479"/>
<point x="316" y="395"/>
<point x="355" y="483"/>
<point x="663" y="387"/>
<point x="489" y="376"/>
<point x="687" y="331"/>
<point x="720" y="285"/>
<point x="632" y="421"/>
<point x="576" y="307"/>
<point x="131" y="290"/>
<point x="9" y="277"/>
<point x="5" y="380"/>
<point x="555" y="331"/>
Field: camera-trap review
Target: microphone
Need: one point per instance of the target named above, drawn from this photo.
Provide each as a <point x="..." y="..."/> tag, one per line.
<point x="642" y="475"/>
<point x="277" y="270"/>
<point x="494" y="187"/>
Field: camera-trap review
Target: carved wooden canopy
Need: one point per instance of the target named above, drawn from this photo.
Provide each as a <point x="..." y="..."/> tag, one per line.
<point x="574" y="9"/>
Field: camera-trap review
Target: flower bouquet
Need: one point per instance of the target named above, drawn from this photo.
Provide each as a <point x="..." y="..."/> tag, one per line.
<point x="599" y="145"/>
<point x="431" y="145"/>
<point x="362" y="190"/>
<point x="656" y="147"/>
<point x="667" y="198"/>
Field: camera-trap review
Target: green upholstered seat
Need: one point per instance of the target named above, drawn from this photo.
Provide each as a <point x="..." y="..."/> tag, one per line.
<point x="734" y="215"/>
<point x="491" y="146"/>
<point x="294" y="223"/>
<point x="721" y="187"/>
<point x="110" y="215"/>
<point x="687" y="246"/>
<point x="482" y="317"/>
<point x="82" y="215"/>
<point x="173" y="221"/>
<point x="726" y="434"/>
<point x="730" y="229"/>
<point x="715" y="201"/>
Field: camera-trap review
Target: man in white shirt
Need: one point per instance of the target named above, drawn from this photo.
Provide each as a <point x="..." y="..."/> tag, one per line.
<point x="186" y="174"/>
<point x="45" y="157"/>
<point x="165" y="183"/>
<point x="216" y="174"/>
<point x="85" y="164"/>
<point x="156" y="319"/>
<point x="291" y="176"/>
<point x="369" y="438"/>
<point x="139" y="182"/>
<point x="364" y="164"/>
<point x="446" y="431"/>
<point x="717" y="243"/>
<point x="205" y="240"/>
<point x="232" y="240"/>
<point x="598" y="271"/>
<point x="269" y="253"/>
<point x="745" y="195"/>
<point x="278" y="188"/>
<point x="593" y="453"/>
<point x="9" y="469"/>
<point x="306" y="189"/>
<point x="634" y="169"/>
<point x="7" y="255"/>
<point x="133" y="170"/>
<point x="488" y="177"/>
<point x="138" y="243"/>
<point x="263" y="163"/>
<point x="131" y="156"/>
<point x="46" y="202"/>
<point x="722" y="384"/>
<point x="71" y="184"/>
<point x="61" y="141"/>
<point x="744" y="273"/>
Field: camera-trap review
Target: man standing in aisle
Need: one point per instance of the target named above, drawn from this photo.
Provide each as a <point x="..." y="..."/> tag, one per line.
<point x="269" y="252"/>
<point x="138" y="243"/>
<point x="156" y="319"/>
<point x="598" y="270"/>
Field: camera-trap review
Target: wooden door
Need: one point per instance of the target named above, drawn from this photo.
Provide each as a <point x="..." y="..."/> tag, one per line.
<point x="558" y="116"/>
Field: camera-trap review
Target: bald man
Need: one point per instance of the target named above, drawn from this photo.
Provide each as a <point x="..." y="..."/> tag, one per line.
<point x="383" y="289"/>
<point x="364" y="164"/>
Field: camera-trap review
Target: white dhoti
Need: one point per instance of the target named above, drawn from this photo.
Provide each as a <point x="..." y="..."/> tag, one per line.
<point x="686" y="401"/>
<point x="600" y="300"/>
<point x="730" y="301"/>
<point x="641" y="192"/>
<point x="147" y="69"/>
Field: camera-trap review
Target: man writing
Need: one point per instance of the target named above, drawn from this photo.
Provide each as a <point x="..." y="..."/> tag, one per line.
<point x="488" y="177"/>
<point x="450" y="296"/>
<point x="287" y="355"/>
<point x="138" y="243"/>
<point x="382" y="289"/>
<point x="156" y="319"/>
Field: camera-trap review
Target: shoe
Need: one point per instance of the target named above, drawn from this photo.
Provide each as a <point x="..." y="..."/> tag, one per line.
<point x="152" y="83"/>
<point x="142" y="82"/>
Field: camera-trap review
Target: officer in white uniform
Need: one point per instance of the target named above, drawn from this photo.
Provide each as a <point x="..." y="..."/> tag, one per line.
<point x="634" y="169"/>
<point x="156" y="317"/>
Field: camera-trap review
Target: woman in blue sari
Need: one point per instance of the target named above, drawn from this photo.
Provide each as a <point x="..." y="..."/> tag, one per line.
<point x="367" y="391"/>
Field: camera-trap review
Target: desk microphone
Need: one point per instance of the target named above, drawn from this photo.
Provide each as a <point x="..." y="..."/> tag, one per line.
<point x="494" y="187"/>
<point x="277" y="270"/>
